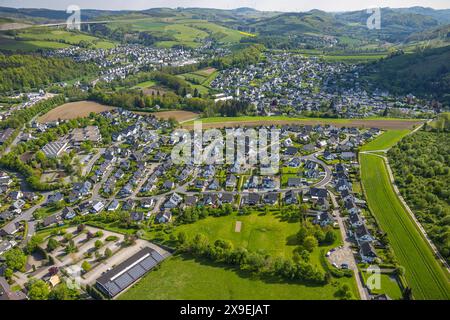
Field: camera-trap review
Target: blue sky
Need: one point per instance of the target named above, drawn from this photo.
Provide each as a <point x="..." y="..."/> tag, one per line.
<point x="268" y="5"/>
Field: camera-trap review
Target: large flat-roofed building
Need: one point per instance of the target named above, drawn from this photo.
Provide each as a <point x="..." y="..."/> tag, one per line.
<point x="131" y="270"/>
<point x="55" y="149"/>
<point x="90" y="133"/>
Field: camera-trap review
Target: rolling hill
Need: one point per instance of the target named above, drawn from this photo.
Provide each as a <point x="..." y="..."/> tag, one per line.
<point x="423" y="74"/>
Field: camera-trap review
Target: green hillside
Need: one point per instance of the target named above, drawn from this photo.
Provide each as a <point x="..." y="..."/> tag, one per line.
<point x="423" y="74"/>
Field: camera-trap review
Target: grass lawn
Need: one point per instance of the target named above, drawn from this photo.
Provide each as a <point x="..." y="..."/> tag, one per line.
<point x="422" y="271"/>
<point x="145" y="84"/>
<point x="389" y="286"/>
<point x="386" y="140"/>
<point x="180" y="278"/>
<point x="258" y="231"/>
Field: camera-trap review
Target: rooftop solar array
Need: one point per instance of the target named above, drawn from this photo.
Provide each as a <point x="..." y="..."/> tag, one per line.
<point x="129" y="271"/>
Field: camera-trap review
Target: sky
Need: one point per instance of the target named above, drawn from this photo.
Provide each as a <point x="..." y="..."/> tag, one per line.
<point x="265" y="5"/>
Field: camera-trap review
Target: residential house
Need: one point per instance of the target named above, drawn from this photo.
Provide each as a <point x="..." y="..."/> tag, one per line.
<point x="362" y="234"/>
<point x="164" y="217"/>
<point x="291" y="197"/>
<point x="271" y="198"/>
<point x="294" y="182"/>
<point x="174" y="200"/>
<point x="51" y="220"/>
<point x="231" y="181"/>
<point x="324" y="219"/>
<point x="367" y="252"/>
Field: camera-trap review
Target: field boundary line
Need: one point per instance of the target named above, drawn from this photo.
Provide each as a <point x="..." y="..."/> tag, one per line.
<point x="411" y="213"/>
<point x="405" y="205"/>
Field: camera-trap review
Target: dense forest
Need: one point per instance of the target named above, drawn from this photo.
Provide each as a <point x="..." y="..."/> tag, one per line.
<point x="25" y="72"/>
<point x="425" y="74"/>
<point x="421" y="166"/>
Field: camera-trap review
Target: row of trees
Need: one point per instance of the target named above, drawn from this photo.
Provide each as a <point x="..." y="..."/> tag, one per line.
<point x="223" y="251"/>
<point x="21" y="117"/>
<point x="421" y="166"/>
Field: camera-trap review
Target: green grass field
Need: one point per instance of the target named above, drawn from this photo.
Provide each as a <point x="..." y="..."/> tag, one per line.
<point x="386" y="140"/>
<point x="32" y="45"/>
<point x="424" y="274"/>
<point x="145" y="84"/>
<point x="274" y="119"/>
<point x="389" y="286"/>
<point x="186" y="278"/>
<point x="32" y="39"/>
<point x="353" y="58"/>
<point x="258" y="231"/>
<point x="184" y="31"/>
<point x="180" y="278"/>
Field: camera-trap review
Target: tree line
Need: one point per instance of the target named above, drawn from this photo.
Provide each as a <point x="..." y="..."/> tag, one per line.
<point x="421" y="166"/>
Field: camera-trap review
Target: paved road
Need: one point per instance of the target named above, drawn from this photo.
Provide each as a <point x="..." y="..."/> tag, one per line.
<point x="348" y="250"/>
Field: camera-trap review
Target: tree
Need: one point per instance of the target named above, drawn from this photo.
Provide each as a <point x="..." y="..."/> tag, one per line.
<point x="182" y="237"/>
<point x="34" y="242"/>
<point x="86" y="266"/>
<point x="70" y="247"/>
<point x="108" y="253"/>
<point x="81" y="228"/>
<point x="37" y="290"/>
<point x="344" y="292"/>
<point x="52" y="245"/>
<point x="99" y="234"/>
<point x="68" y="236"/>
<point x="330" y="237"/>
<point x="98" y="244"/>
<point x="62" y="292"/>
<point x="15" y="259"/>
<point x="9" y="273"/>
<point x="310" y="243"/>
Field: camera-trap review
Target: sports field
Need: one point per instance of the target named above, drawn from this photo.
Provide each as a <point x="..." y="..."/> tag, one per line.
<point x="423" y="272"/>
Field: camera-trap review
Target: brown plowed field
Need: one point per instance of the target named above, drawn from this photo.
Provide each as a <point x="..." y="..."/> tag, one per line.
<point x="73" y="110"/>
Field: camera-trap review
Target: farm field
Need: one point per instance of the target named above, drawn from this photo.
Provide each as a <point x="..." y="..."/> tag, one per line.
<point x="178" y="115"/>
<point x="353" y="58"/>
<point x="38" y="38"/>
<point x="200" y="79"/>
<point x="422" y="271"/>
<point x="386" y="140"/>
<point x="382" y="123"/>
<point x="186" y="32"/>
<point x="66" y="36"/>
<point x="73" y="110"/>
<point x="181" y="278"/>
<point x="32" y="45"/>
